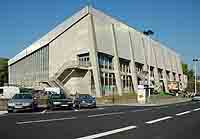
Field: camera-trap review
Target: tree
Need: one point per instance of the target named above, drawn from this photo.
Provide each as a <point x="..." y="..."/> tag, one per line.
<point x="187" y="72"/>
<point x="185" y="68"/>
<point x="3" y="71"/>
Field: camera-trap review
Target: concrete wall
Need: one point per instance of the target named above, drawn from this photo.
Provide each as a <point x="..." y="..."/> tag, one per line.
<point x="104" y="38"/>
<point x="123" y="42"/>
<point x="139" y="54"/>
<point x="67" y="46"/>
<point x="31" y="69"/>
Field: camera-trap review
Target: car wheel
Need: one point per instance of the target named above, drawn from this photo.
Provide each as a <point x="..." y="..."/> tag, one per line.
<point x="71" y="106"/>
<point x="33" y="108"/>
<point x="10" y="111"/>
<point x="14" y="110"/>
<point x="74" y="105"/>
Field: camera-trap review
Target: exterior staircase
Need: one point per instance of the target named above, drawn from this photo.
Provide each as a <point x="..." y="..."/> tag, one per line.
<point x="64" y="73"/>
<point x="141" y="75"/>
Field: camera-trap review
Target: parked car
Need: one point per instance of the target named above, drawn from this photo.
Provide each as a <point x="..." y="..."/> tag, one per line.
<point x="59" y="101"/>
<point x="22" y="101"/>
<point x="196" y="97"/>
<point x="84" y="101"/>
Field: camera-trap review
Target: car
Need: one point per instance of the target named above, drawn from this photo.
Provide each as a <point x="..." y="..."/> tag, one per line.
<point x="84" y="101"/>
<point x="59" y="101"/>
<point x="196" y="97"/>
<point x="22" y="101"/>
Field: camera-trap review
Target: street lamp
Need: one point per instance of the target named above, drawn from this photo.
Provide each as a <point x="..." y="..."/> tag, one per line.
<point x="195" y="60"/>
<point x="148" y="34"/>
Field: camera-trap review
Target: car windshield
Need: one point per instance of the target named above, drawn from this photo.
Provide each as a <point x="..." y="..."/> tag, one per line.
<point x="58" y="96"/>
<point x="22" y="96"/>
<point x="86" y="97"/>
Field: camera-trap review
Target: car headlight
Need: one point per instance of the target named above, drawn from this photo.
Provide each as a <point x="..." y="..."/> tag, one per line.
<point x="26" y="104"/>
<point x="11" y="104"/>
<point x="83" y="101"/>
<point x="56" y="103"/>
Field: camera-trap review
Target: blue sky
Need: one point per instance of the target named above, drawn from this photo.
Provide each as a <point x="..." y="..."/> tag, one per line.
<point x="176" y="23"/>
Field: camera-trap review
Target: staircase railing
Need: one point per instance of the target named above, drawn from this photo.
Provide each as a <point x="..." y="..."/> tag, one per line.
<point x="141" y="74"/>
<point x="72" y="64"/>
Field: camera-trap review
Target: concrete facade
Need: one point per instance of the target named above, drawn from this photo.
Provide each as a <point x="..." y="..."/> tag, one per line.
<point x="94" y="53"/>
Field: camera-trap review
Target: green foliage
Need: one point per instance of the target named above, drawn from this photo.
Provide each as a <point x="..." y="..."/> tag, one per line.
<point x="185" y="68"/>
<point x="189" y="73"/>
<point x="3" y="71"/>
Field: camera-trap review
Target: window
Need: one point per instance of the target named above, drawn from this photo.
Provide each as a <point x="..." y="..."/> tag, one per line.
<point x="1" y="91"/>
<point x="174" y="76"/>
<point x="105" y="61"/>
<point x="179" y="76"/>
<point x="168" y="76"/>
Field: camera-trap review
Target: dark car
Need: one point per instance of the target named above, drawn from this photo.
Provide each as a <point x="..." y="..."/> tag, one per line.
<point x="196" y="97"/>
<point x="59" y="101"/>
<point x="22" y="101"/>
<point x="84" y="101"/>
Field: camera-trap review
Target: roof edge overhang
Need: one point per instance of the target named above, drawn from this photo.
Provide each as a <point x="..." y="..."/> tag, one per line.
<point x="50" y="36"/>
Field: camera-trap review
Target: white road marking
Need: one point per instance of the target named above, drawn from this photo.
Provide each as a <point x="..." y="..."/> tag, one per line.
<point x="105" y="114"/>
<point x="44" y="111"/>
<point x="47" y="120"/>
<point x="158" y="120"/>
<point x="108" y="133"/>
<point x="182" y="113"/>
<point x="196" y="109"/>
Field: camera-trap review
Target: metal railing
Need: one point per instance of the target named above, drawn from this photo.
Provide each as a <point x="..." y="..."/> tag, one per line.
<point x="72" y="64"/>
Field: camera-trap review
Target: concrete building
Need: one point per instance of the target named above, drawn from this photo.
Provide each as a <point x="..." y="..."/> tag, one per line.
<point x="94" y="53"/>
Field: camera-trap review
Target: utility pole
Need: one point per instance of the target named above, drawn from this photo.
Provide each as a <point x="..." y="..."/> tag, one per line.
<point x="195" y="60"/>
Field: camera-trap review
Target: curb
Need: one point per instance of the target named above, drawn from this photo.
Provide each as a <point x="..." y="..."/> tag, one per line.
<point x="148" y="104"/>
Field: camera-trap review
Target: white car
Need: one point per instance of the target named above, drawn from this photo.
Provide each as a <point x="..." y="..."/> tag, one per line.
<point x="196" y="97"/>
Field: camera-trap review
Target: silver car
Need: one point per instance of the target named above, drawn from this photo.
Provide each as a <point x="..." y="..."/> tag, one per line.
<point x="22" y="101"/>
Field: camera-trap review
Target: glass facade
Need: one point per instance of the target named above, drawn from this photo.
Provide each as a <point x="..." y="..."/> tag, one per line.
<point x="124" y="66"/>
<point x="160" y="74"/>
<point x="174" y="76"/>
<point x="108" y="80"/>
<point x="105" y="61"/>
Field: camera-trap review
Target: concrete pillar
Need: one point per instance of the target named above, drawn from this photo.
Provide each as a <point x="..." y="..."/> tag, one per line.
<point x="171" y="76"/>
<point x="132" y="64"/>
<point x="156" y="76"/>
<point x="94" y="57"/>
<point x="165" y="79"/>
<point x="145" y="67"/>
<point x="116" y="63"/>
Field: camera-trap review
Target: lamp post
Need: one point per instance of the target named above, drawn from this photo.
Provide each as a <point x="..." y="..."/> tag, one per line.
<point x="148" y="34"/>
<point x="195" y="60"/>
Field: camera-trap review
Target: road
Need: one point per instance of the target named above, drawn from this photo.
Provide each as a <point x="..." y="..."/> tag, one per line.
<point x="175" y="121"/>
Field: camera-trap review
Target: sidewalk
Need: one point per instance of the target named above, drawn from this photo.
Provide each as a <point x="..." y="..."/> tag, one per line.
<point x="153" y="102"/>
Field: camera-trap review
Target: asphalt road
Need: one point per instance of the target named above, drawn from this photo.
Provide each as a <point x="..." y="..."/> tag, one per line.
<point x="175" y="121"/>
